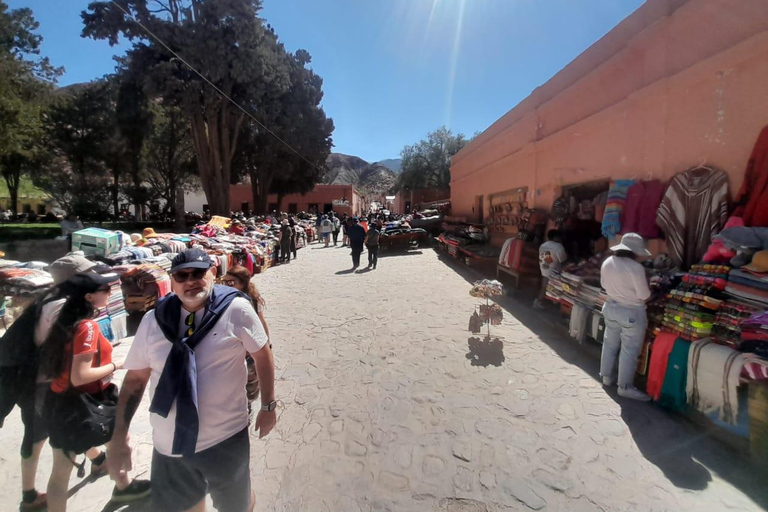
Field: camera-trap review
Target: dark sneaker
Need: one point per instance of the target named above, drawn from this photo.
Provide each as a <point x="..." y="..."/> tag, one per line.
<point x="40" y="503"/>
<point x="99" y="470"/>
<point x="135" y="491"/>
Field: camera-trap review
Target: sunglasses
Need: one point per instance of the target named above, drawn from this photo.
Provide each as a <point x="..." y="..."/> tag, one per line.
<point x="104" y="289"/>
<point x="196" y="275"/>
<point x="228" y="282"/>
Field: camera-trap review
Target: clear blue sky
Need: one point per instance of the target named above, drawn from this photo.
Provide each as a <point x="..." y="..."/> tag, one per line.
<point x="395" y="69"/>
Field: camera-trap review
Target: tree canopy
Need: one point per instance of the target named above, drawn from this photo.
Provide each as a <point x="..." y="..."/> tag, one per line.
<point x="25" y="88"/>
<point x="295" y="116"/>
<point x="427" y="164"/>
<point x="227" y="43"/>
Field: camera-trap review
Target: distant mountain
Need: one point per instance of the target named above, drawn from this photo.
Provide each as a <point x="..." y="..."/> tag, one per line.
<point x="394" y="164"/>
<point x="353" y="170"/>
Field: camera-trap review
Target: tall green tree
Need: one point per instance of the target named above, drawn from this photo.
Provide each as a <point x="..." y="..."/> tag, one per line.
<point x="170" y="157"/>
<point x="81" y="131"/>
<point x="25" y="88"/>
<point x="296" y="117"/>
<point x="427" y="164"/>
<point x="134" y="119"/>
<point x="226" y="42"/>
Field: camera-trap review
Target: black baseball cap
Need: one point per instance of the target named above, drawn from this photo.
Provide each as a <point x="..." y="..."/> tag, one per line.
<point x="90" y="282"/>
<point x="191" y="258"/>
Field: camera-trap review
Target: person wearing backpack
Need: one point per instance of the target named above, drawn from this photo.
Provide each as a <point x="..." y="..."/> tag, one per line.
<point x="372" y="243"/>
<point x="22" y="384"/>
<point x="80" y="358"/>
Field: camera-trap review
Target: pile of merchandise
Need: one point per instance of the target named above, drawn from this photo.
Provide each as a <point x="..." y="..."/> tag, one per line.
<point x="112" y="320"/>
<point x="29" y="282"/>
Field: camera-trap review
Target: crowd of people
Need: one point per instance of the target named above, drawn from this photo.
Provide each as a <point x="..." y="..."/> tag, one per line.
<point x="205" y="349"/>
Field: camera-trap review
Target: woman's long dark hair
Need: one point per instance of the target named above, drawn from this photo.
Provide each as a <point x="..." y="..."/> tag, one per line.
<point x="53" y="360"/>
<point x="242" y="275"/>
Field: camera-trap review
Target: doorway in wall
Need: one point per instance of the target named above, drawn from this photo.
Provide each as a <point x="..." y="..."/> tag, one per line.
<point x="479" y="213"/>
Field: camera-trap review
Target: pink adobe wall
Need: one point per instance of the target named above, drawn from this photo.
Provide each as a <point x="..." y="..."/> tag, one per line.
<point x="677" y="83"/>
<point x="320" y="195"/>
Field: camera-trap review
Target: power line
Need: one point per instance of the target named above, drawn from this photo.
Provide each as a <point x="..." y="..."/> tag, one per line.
<point x="215" y="87"/>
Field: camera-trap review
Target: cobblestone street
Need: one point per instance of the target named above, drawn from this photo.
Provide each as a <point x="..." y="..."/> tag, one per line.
<point x="382" y="408"/>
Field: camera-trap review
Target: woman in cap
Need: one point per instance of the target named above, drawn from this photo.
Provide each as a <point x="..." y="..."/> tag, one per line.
<point x="239" y="278"/>
<point x="81" y="359"/>
<point x="626" y="285"/>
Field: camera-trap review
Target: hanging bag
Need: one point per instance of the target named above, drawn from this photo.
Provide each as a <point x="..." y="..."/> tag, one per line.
<point x="81" y="421"/>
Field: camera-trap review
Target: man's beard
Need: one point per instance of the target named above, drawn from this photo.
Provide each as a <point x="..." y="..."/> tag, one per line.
<point x="197" y="299"/>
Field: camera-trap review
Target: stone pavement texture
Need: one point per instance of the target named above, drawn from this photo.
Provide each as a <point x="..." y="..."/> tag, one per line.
<point x="387" y="403"/>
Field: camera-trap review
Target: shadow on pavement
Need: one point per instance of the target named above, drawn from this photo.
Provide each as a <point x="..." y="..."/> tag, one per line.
<point x="484" y="352"/>
<point x="686" y="452"/>
<point x="400" y="252"/>
<point x="344" y="272"/>
<point x="143" y="505"/>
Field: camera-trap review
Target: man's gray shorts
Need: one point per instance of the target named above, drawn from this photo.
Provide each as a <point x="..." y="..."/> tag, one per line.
<point x="179" y="483"/>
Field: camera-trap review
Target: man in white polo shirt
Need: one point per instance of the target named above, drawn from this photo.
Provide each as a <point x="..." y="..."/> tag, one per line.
<point x="191" y="349"/>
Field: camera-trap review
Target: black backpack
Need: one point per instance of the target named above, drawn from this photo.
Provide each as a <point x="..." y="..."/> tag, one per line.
<point x="18" y="359"/>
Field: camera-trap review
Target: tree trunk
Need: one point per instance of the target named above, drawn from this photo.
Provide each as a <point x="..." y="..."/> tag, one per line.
<point x="179" y="208"/>
<point x="260" y="186"/>
<point x="116" y="195"/>
<point x="215" y="141"/>
<point x="280" y="198"/>
<point x="12" y="175"/>
<point x="14" y="193"/>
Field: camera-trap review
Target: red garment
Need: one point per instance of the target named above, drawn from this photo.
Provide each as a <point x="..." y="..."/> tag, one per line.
<point x="88" y="340"/>
<point x="654" y="193"/>
<point x="753" y="196"/>
<point x="660" y="350"/>
<point x="632" y="208"/>
<point x="643" y="200"/>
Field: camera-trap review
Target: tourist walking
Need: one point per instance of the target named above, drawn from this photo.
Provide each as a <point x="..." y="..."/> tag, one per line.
<point x="326" y="228"/>
<point x="22" y="384"/>
<point x="317" y="227"/>
<point x="239" y="278"/>
<point x="356" y="235"/>
<point x="286" y="235"/>
<point x="295" y="236"/>
<point x="372" y="244"/>
<point x="626" y="285"/>
<point x="344" y="224"/>
<point x="80" y="358"/>
<point x="192" y="347"/>
<point x="336" y="228"/>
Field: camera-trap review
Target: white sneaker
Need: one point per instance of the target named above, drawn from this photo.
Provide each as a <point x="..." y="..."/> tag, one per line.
<point x="607" y="381"/>
<point x="634" y="394"/>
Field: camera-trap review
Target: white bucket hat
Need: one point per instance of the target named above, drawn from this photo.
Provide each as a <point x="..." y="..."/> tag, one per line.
<point x="632" y="242"/>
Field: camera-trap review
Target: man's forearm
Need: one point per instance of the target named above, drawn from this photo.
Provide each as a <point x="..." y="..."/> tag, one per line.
<point x="130" y="397"/>
<point x="265" y="369"/>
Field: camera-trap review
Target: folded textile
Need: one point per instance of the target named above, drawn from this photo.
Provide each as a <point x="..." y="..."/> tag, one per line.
<point x="755" y="369"/>
<point x="747" y="292"/>
<point x="739" y="277"/>
<point x="713" y="376"/>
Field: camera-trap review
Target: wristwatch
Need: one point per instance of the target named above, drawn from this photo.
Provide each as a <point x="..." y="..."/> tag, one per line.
<point x="271" y="406"/>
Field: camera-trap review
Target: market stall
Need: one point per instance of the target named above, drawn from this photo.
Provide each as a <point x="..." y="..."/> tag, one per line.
<point x="142" y="261"/>
<point x="706" y="345"/>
